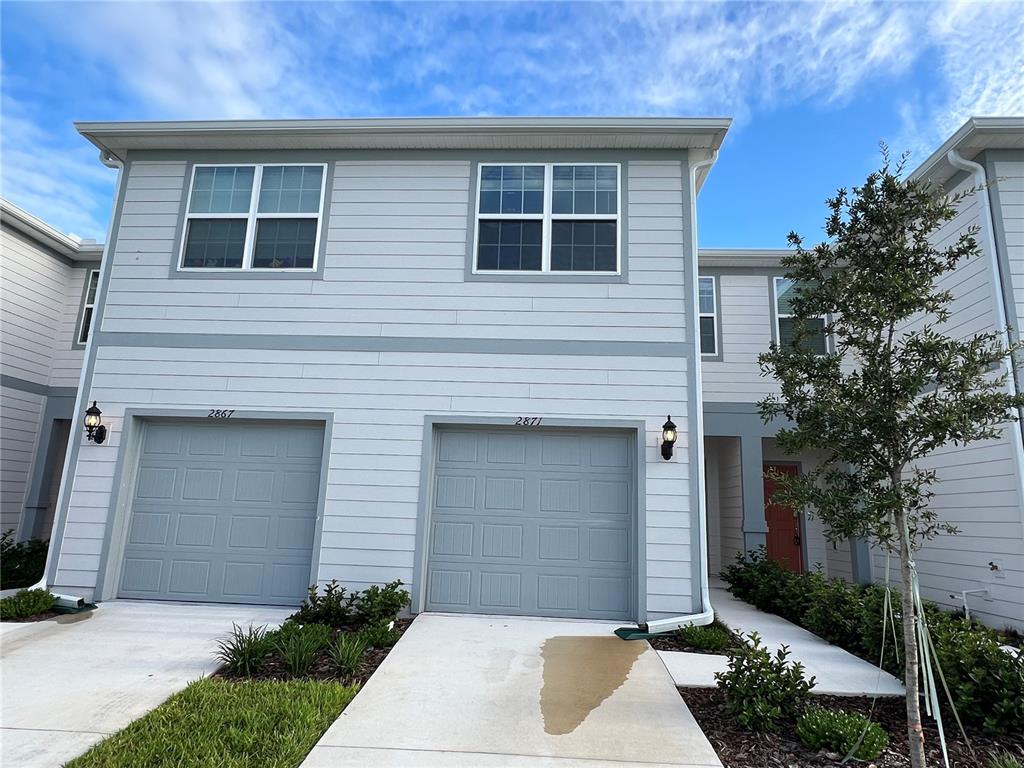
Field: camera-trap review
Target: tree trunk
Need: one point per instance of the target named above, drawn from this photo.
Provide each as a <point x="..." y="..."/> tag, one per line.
<point x="915" y="731"/>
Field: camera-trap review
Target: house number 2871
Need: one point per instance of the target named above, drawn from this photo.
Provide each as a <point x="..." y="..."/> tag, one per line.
<point x="528" y="421"/>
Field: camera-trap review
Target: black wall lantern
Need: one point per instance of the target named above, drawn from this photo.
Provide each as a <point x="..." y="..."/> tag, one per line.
<point x="94" y="429"/>
<point x="668" y="439"/>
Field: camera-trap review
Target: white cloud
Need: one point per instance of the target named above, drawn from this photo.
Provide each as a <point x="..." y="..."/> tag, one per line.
<point x="248" y="60"/>
<point x="981" y="68"/>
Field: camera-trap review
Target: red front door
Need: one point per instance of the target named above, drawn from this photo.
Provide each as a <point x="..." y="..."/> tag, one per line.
<point x="784" y="541"/>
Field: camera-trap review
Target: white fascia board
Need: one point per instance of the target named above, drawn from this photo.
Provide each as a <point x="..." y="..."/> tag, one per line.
<point x="34" y="227"/>
<point x="117" y="138"/>
<point x="976" y="134"/>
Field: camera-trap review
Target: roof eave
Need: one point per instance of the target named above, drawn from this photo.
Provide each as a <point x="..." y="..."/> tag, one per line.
<point x="937" y="167"/>
<point x="117" y="138"/>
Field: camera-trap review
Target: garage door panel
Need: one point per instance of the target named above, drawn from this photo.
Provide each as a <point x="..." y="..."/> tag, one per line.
<point x="538" y="523"/>
<point x="223" y="512"/>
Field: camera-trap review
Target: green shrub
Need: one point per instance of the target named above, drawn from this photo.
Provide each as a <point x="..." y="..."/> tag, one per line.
<point x="1005" y="760"/>
<point x="835" y="613"/>
<point x="27" y="602"/>
<point x="763" y="583"/>
<point x="334" y="608"/>
<point x="986" y="682"/>
<point x="376" y="605"/>
<point x="341" y="609"/>
<point x="714" y="637"/>
<point x="761" y="689"/>
<point x="870" y="627"/>
<point x="379" y="635"/>
<point x="22" y="562"/>
<point x="299" y="644"/>
<point x="346" y="652"/>
<point x="242" y="651"/>
<point x="841" y="732"/>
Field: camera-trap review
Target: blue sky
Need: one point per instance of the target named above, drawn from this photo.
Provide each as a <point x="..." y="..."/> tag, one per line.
<point x="812" y="87"/>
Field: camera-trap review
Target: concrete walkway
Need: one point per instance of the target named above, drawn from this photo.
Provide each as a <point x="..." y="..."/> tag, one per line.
<point x="474" y="691"/>
<point x="838" y="672"/>
<point x="69" y="682"/>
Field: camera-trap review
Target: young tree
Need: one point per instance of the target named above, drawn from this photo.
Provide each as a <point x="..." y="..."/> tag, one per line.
<point x="893" y="388"/>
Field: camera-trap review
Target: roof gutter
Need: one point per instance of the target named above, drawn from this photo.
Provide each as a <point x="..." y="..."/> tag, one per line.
<point x="707" y="614"/>
<point x="977" y="171"/>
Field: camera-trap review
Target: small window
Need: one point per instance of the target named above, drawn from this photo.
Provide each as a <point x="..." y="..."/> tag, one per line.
<point x="88" y="305"/>
<point x="548" y="218"/>
<point x="785" y="324"/>
<point x="707" y="315"/>
<point x="253" y="217"/>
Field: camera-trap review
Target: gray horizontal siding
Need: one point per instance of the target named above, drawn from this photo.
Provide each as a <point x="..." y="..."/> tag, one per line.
<point x="379" y="401"/>
<point x="394" y="265"/>
<point x="22" y="412"/>
<point x="978" y="489"/>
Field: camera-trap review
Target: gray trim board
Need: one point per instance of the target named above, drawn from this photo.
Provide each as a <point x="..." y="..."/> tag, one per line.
<point x="716" y="275"/>
<point x="432" y="422"/>
<point x="1005" y="277"/>
<point x="35" y="387"/>
<point x="133" y="431"/>
<point x="58" y="407"/>
<point x="248" y="274"/>
<point x="94" y="320"/>
<point x="395" y="344"/>
<point x="85" y="382"/>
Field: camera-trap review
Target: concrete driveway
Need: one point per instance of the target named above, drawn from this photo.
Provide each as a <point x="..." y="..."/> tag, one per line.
<point x="464" y="691"/>
<point x="69" y="682"/>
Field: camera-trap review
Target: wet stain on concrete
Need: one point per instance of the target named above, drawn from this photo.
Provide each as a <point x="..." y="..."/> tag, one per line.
<point x="579" y="674"/>
<point x="73" y="618"/>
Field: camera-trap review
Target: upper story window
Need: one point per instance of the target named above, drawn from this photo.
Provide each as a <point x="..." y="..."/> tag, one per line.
<point x="253" y="217"/>
<point x="92" y="281"/>
<point x="785" y="324"/>
<point x="547" y="217"/>
<point x="708" y="315"/>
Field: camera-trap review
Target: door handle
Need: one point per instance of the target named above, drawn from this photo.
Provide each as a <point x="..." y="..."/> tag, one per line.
<point x="796" y="539"/>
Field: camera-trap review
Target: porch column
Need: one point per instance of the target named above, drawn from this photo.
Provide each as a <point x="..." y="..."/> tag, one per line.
<point x="860" y="560"/>
<point x="755" y="527"/>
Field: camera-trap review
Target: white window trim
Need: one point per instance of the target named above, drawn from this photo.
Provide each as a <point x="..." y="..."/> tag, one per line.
<point x="252" y="217"/>
<point x="85" y="306"/>
<point x="547" y="217"/>
<point x="779" y="315"/>
<point x="713" y="314"/>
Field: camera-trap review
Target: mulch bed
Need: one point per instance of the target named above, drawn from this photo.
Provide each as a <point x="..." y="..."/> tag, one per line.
<point x="673" y="642"/>
<point x="739" y="748"/>
<point x="29" y="619"/>
<point x="323" y="667"/>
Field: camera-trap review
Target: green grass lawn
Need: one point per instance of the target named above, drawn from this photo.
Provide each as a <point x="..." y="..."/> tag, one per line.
<point x="216" y="722"/>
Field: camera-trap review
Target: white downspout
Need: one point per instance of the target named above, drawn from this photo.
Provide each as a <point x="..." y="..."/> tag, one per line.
<point x="73" y="601"/>
<point x="707" y="613"/>
<point x="1002" y="319"/>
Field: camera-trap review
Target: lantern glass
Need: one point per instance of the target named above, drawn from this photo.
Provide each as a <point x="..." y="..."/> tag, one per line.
<point x="92" y="416"/>
<point x="669" y="435"/>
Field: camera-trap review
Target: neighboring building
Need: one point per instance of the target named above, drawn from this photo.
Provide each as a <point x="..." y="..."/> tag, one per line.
<point x="48" y="292"/>
<point x="443" y="350"/>
<point x="743" y="310"/>
<point x="981" y="487"/>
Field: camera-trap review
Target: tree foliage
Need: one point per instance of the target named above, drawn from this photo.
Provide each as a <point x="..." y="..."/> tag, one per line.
<point x="893" y="387"/>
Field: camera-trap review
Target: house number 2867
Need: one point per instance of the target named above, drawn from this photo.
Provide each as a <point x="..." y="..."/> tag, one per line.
<point x="217" y="413"/>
